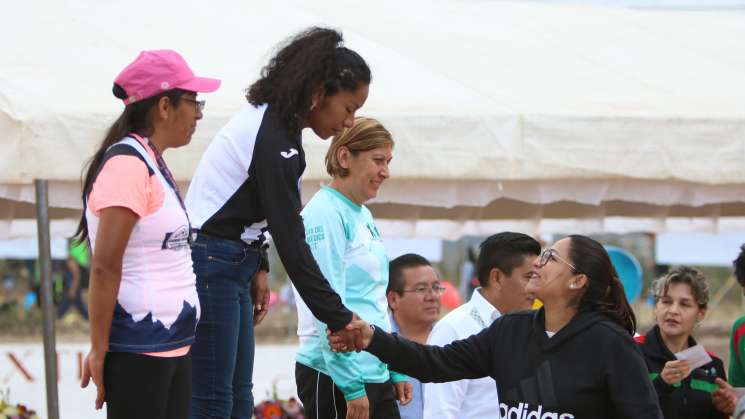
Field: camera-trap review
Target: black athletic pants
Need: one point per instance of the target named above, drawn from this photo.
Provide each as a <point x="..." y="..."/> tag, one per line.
<point x="147" y="387"/>
<point x="323" y="400"/>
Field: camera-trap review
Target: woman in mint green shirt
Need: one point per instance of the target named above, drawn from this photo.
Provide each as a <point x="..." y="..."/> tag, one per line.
<point x="348" y="248"/>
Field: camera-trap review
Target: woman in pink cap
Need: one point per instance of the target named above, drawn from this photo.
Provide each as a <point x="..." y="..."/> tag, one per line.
<point x="143" y="302"/>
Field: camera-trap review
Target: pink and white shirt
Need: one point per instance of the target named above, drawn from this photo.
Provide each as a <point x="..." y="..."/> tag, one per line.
<point x="157" y="306"/>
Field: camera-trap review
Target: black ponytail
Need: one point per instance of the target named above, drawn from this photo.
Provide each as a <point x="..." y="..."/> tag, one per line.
<point x="134" y="118"/>
<point x="311" y="59"/>
<point x="604" y="291"/>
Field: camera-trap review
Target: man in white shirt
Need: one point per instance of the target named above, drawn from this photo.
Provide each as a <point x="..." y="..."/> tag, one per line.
<point x="503" y="268"/>
<point x="413" y="294"/>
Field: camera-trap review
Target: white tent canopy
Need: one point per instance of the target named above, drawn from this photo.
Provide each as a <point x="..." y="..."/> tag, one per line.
<point x="538" y="117"/>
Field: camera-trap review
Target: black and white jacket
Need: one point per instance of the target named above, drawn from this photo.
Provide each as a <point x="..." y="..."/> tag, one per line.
<point x="248" y="182"/>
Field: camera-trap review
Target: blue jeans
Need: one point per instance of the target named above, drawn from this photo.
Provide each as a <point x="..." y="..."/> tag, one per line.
<point x="223" y="351"/>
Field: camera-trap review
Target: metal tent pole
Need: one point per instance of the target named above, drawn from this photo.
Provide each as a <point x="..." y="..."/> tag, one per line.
<point x="47" y="303"/>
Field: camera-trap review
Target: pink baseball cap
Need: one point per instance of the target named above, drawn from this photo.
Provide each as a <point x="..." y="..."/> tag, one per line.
<point x="157" y="71"/>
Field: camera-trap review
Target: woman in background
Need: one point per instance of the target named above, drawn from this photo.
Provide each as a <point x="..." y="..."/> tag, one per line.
<point x="681" y="299"/>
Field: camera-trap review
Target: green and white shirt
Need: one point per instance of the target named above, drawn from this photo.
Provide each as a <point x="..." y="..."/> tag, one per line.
<point x="737" y="354"/>
<point x="347" y="246"/>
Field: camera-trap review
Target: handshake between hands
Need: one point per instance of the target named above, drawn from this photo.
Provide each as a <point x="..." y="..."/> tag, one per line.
<point x="355" y="336"/>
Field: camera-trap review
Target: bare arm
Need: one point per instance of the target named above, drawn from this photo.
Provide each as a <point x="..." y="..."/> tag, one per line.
<point x="114" y="229"/>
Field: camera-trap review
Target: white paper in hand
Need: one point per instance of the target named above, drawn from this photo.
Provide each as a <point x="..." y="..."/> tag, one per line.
<point x="695" y="355"/>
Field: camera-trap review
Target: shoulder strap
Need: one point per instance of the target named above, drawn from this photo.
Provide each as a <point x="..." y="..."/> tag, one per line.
<point x="124" y="148"/>
<point x="138" y="148"/>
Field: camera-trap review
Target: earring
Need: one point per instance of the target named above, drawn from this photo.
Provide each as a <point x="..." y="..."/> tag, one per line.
<point x="313" y="105"/>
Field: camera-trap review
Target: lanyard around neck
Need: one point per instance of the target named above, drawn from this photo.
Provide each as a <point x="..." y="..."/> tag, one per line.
<point x="167" y="175"/>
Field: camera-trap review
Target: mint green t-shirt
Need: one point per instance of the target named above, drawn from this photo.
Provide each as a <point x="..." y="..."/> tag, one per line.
<point x="348" y="248"/>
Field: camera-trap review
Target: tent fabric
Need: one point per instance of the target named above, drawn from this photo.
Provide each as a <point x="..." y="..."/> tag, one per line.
<point x="500" y="110"/>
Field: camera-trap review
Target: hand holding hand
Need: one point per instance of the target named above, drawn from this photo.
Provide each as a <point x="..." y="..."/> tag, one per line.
<point x="260" y="296"/>
<point x="355" y="336"/>
<point x="93" y="369"/>
<point x="724" y="398"/>
<point x="675" y="371"/>
<point x="358" y="408"/>
<point x="404" y="392"/>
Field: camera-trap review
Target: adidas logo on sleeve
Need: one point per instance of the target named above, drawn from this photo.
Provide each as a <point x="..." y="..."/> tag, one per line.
<point x="524" y="411"/>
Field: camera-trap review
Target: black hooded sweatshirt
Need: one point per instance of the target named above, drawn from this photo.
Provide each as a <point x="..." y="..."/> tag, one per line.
<point x="691" y="398"/>
<point x="590" y="369"/>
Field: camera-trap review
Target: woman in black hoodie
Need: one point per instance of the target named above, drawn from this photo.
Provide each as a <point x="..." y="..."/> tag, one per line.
<point x="681" y="299"/>
<point x="572" y="359"/>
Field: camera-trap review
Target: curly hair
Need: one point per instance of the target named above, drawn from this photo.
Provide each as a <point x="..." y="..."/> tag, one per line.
<point x="683" y="275"/>
<point x="311" y="59"/>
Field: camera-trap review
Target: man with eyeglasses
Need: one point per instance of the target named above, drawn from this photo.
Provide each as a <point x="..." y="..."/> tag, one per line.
<point x="413" y="293"/>
<point x="504" y="268"/>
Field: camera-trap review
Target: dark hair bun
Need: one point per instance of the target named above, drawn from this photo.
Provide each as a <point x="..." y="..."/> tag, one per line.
<point x="119" y="92"/>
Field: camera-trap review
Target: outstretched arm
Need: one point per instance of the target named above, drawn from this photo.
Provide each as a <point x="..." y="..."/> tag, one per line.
<point x="277" y="185"/>
<point x="467" y="358"/>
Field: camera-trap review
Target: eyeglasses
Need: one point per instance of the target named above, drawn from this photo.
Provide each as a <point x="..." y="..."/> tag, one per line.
<point x="549" y="254"/>
<point x="199" y="103"/>
<point x="422" y="290"/>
